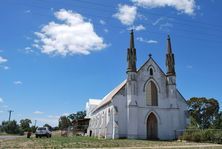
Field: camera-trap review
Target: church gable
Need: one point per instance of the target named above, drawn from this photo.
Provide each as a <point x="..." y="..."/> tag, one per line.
<point x="151" y="71"/>
<point x="151" y="78"/>
<point x="151" y="68"/>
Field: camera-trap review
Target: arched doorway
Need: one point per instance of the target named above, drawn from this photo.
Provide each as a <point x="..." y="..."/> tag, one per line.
<point x="152" y="127"/>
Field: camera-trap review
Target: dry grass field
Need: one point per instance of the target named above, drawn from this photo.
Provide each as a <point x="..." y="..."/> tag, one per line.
<point x="58" y="142"/>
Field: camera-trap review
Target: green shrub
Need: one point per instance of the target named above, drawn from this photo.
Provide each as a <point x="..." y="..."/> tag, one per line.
<point x="205" y="135"/>
<point x="217" y="137"/>
<point x="10" y="127"/>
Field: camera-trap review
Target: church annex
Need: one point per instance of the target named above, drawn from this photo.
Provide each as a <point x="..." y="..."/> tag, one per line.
<point x="147" y="105"/>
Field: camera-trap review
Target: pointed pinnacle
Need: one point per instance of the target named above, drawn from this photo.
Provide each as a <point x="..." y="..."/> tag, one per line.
<point x="131" y="39"/>
<point x="169" y="48"/>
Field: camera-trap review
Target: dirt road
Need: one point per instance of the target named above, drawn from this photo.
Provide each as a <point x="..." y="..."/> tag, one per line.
<point x="10" y="137"/>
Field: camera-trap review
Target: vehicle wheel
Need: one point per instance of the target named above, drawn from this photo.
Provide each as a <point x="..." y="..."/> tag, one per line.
<point x="50" y="136"/>
<point x="36" y="136"/>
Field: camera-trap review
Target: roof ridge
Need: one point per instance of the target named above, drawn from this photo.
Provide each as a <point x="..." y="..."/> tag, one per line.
<point x="106" y="99"/>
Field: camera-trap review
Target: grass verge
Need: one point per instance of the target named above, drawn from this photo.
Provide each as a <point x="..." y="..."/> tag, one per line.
<point x="88" y="142"/>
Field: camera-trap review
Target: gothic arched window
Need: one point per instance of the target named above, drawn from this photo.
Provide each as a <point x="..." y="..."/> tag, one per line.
<point x="151" y="94"/>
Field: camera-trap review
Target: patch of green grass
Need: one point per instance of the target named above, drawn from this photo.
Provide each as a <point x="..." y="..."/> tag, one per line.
<point x="84" y="142"/>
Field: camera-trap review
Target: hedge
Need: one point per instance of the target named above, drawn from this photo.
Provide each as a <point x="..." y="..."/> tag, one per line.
<point x="203" y="135"/>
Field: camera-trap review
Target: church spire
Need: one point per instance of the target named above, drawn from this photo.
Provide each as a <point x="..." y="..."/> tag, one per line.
<point x="131" y="40"/>
<point x="131" y="54"/>
<point x="170" y="62"/>
<point x="169" y="48"/>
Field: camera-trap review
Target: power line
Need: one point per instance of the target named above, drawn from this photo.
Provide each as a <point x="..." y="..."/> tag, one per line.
<point x="156" y="14"/>
<point x="107" y="9"/>
<point x="186" y="30"/>
<point x="122" y="27"/>
<point x="150" y="13"/>
<point x="162" y="32"/>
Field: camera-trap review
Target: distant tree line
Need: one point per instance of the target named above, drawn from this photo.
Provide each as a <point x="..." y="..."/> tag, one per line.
<point x="12" y="127"/>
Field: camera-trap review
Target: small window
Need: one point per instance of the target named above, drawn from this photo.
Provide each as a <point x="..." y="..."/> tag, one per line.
<point x="151" y="71"/>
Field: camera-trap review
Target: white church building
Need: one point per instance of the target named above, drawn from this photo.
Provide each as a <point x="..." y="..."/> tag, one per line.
<point x="147" y="105"/>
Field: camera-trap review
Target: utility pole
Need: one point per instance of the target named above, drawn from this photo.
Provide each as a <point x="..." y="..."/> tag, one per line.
<point x="10" y="112"/>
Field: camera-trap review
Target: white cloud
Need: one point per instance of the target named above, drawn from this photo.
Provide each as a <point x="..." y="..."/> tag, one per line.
<point x="137" y="28"/>
<point x="141" y="16"/>
<point x="29" y="49"/>
<point x="140" y="28"/>
<point x="6" y="67"/>
<point x="106" y="30"/>
<point x="1" y="100"/>
<point x="54" y="116"/>
<point x="18" y="82"/>
<point x="166" y="26"/>
<point x="102" y="22"/>
<point x="28" y="11"/>
<point x="74" y="36"/>
<point x="27" y="38"/>
<point x="189" y="66"/>
<point x="158" y="21"/>
<point x="146" y="41"/>
<point x="126" y="14"/>
<point x="185" y="6"/>
<point x="38" y="112"/>
<point x="152" y="41"/>
<point x="3" y="60"/>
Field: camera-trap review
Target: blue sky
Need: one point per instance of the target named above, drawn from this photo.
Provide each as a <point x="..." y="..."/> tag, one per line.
<point x="56" y="54"/>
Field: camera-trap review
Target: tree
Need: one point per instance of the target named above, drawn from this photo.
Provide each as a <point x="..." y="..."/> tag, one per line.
<point x="33" y="128"/>
<point x="78" y="121"/>
<point x="77" y="116"/>
<point x="55" y="128"/>
<point x="10" y="127"/>
<point x="218" y="121"/>
<point x="64" y="122"/>
<point x="1" y="129"/>
<point x="49" y="127"/>
<point x="25" y="124"/>
<point x="203" y="111"/>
